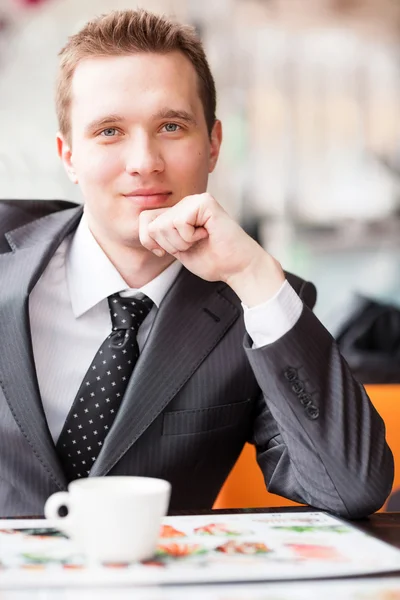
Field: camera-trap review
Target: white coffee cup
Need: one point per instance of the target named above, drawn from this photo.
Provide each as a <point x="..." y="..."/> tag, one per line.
<point x="112" y="519"/>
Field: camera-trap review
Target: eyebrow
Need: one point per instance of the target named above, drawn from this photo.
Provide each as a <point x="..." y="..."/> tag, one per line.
<point x="99" y="123"/>
<point x="169" y="113"/>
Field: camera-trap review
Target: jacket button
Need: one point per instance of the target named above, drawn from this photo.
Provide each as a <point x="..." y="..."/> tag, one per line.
<point x="312" y="412"/>
<point x="305" y="398"/>
<point x="298" y="387"/>
<point x="291" y="374"/>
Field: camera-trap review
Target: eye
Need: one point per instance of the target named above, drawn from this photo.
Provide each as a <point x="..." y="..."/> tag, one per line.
<point x="109" y="132"/>
<point x="171" y="127"/>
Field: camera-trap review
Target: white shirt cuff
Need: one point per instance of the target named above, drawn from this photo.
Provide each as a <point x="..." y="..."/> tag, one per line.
<point x="267" y="322"/>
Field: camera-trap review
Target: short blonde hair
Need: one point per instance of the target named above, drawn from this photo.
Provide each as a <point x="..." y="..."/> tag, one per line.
<point x="125" y="32"/>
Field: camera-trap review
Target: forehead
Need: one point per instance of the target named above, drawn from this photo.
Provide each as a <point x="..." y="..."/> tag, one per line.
<point x="137" y="84"/>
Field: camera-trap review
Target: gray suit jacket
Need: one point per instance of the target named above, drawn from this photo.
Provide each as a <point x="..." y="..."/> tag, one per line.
<point x="198" y="393"/>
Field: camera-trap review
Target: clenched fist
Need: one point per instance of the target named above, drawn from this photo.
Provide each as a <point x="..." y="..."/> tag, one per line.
<point x="210" y="244"/>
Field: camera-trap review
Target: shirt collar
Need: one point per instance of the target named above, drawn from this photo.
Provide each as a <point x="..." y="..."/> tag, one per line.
<point x="91" y="276"/>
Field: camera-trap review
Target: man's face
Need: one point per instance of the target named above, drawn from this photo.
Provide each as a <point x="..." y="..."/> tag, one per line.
<point x="139" y="139"/>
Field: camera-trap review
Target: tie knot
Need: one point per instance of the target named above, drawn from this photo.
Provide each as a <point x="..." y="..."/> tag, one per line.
<point x="129" y="313"/>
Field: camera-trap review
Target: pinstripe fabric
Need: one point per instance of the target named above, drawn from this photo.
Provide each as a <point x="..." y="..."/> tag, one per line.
<point x="195" y="396"/>
<point x="345" y="446"/>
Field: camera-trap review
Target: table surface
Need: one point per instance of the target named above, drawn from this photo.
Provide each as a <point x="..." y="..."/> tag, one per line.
<point x="385" y="526"/>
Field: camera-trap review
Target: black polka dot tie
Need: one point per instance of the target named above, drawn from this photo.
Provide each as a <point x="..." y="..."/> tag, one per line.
<point x="101" y="392"/>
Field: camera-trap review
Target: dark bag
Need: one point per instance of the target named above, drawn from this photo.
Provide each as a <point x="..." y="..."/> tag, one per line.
<point x="369" y="340"/>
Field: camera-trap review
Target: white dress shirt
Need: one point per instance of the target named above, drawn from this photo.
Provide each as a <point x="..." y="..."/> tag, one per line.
<point x="70" y="318"/>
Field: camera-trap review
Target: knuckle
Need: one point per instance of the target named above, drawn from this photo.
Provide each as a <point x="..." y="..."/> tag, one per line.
<point x="144" y="216"/>
<point x="152" y="227"/>
<point x="165" y="226"/>
<point x="179" y="222"/>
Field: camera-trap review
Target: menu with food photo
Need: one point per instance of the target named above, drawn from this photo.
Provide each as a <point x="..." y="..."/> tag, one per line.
<point x="201" y="548"/>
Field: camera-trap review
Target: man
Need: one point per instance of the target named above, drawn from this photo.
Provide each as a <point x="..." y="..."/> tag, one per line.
<point x="156" y="267"/>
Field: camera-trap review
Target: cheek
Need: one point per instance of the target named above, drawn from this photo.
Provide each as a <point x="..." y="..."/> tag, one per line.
<point x="191" y="164"/>
<point x="94" y="167"/>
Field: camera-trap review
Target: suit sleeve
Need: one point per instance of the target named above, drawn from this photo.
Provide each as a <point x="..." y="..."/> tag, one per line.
<point x="319" y="439"/>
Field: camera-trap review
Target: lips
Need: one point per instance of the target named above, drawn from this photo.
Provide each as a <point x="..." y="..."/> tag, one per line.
<point x="148" y="192"/>
<point x="149" y="198"/>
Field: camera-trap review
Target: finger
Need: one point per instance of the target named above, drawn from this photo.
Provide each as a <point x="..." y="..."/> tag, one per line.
<point x="172" y="237"/>
<point x="167" y="237"/>
<point x="163" y="231"/>
<point x="200" y="234"/>
<point x="165" y="245"/>
<point x="146" y="238"/>
<point x="188" y="232"/>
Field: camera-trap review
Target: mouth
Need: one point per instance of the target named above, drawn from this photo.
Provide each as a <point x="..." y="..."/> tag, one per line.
<point x="149" y="198"/>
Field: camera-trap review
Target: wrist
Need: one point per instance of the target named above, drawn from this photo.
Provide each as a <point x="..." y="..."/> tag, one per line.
<point x="259" y="281"/>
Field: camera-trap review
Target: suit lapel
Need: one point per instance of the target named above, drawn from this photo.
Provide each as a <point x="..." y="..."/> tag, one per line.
<point x="192" y="319"/>
<point x="32" y="247"/>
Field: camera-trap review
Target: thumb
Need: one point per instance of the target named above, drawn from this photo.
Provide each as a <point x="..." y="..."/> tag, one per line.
<point x="200" y="233"/>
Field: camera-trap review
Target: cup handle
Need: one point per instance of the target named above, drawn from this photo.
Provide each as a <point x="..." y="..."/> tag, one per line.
<point x="53" y="505"/>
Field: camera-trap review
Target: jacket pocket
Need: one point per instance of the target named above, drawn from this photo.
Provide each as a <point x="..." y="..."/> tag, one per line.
<point x="204" y="419"/>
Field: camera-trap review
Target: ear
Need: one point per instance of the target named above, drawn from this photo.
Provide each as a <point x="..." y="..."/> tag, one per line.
<point x="215" y="145"/>
<point x="65" y="153"/>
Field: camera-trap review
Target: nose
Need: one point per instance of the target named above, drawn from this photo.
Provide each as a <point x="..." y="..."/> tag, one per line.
<point x="144" y="155"/>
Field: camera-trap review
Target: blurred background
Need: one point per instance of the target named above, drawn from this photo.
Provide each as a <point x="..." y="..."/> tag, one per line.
<point x="308" y="93"/>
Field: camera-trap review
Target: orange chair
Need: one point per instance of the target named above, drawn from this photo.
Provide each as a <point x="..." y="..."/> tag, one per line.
<point x="386" y="399"/>
<point x="245" y="485"/>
